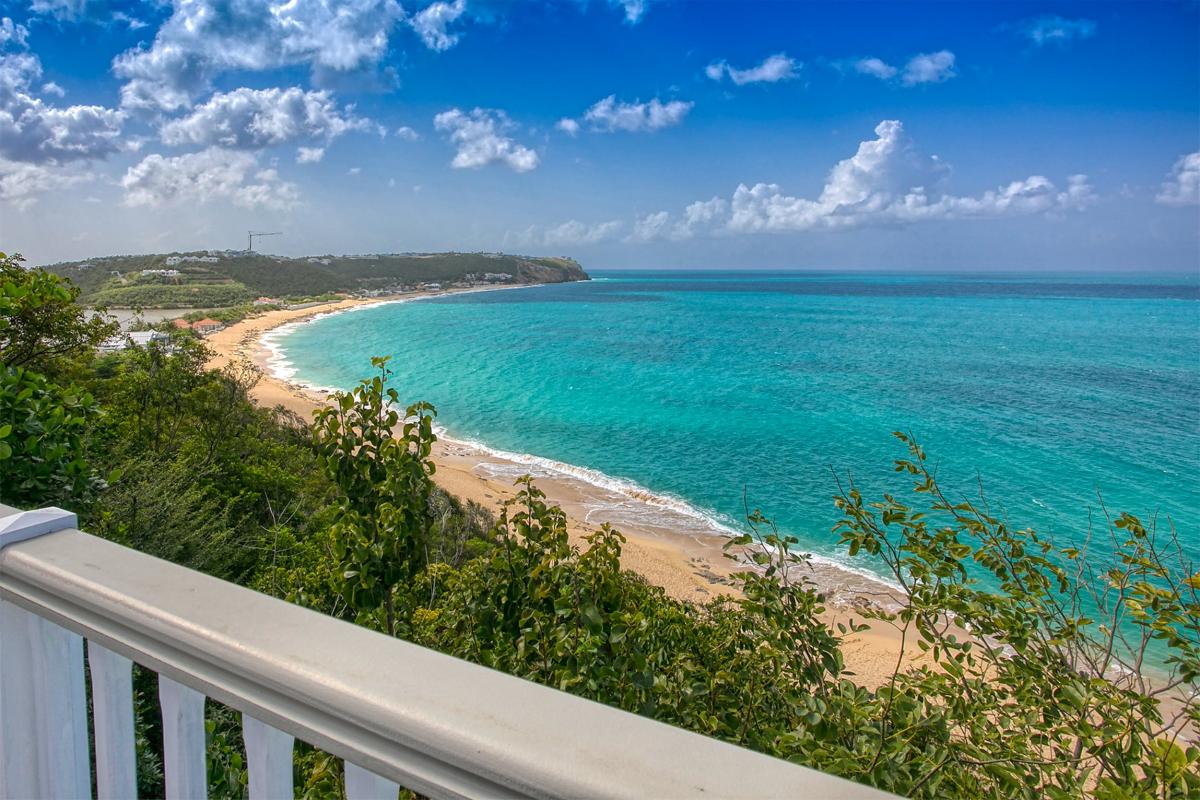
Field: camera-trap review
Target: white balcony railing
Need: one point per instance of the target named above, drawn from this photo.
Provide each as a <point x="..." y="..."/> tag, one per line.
<point x="397" y="714"/>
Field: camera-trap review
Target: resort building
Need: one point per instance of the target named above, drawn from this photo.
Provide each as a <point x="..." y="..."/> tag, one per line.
<point x="206" y="325"/>
<point x="122" y="341"/>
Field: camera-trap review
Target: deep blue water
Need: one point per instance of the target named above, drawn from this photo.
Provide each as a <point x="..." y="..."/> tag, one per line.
<point x="1052" y="390"/>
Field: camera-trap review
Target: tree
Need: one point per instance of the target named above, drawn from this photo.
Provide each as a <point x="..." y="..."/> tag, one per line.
<point x="42" y="448"/>
<point x="1043" y="685"/>
<point x="381" y="465"/>
<point x="41" y="326"/>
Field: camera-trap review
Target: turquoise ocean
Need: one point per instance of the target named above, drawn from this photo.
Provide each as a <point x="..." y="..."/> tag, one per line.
<point x="692" y="390"/>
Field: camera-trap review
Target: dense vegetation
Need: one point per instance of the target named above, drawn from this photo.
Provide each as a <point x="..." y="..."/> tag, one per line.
<point x="160" y="454"/>
<point x="231" y="277"/>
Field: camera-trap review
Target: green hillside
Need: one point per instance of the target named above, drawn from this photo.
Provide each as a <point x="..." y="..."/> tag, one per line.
<point x="220" y="278"/>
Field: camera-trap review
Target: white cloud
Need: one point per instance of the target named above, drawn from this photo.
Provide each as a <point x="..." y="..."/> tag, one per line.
<point x="61" y="9"/>
<point x="929" y="68"/>
<point x="97" y="11"/>
<point x="572" y="232"/>
<point x="568" y="126"/>
<point x="203" y="38"/>
<point x="354" y="171"/>
<point x="207" y="176"/>
<point x="886" y="182"/>
<point x="876" y="68"/>
<point x="575" y="232"/>
<point x="50" y="87"/>
<point x="772" y="70"/>
<point x="12" y="33"/>
<point x="309" y="155"/>
<point x="481" y="140"/>
<point x="1182" y="186"/>
<point x="699" y="216"/>
<point x="431" y="23"/>
<point x="254" y="118"/>
<point x="609" y="115"/>
<point x="634" y="9"/>
<point x="34" y="131"/>
<point x="407" y="134"/>
<point x="21" y="183"/>
<point x="1053" y="29"/>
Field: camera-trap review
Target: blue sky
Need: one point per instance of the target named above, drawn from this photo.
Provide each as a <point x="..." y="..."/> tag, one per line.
<point x="663" y="133"/>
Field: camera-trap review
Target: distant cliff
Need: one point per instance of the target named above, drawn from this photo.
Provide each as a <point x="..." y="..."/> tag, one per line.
<point x="227" y="277"/>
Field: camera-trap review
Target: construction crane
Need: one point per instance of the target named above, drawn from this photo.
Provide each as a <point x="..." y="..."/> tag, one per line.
<point x="251" y="234"/>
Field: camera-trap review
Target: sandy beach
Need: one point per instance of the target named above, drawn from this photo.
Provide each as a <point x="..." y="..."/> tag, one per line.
<point x="684" y="558"/>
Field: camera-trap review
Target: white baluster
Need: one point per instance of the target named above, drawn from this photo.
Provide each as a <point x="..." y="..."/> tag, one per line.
<point x="19" y="743"/>
<point x="268" y="760"/>
<point x="183" y="740"/>
<point x="362" y="784"/>
<point x="112" y="714"/>
<point x="44" y="708"/>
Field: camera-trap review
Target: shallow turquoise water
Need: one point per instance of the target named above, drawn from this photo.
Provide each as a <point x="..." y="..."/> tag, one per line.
<point x="697" y="384"/>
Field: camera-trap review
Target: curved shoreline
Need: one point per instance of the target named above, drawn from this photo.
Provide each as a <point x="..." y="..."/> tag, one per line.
<point x="843" y="583"/>
<point x="683" y="553"/>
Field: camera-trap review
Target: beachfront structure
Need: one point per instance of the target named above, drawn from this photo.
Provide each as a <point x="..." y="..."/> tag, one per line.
<point x="206" y="325"/>
<point x="181" y="324"/>
<point x="398" y="714"/>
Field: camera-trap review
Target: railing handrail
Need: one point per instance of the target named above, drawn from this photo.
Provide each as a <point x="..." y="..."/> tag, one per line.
<point x="433" y="723"/>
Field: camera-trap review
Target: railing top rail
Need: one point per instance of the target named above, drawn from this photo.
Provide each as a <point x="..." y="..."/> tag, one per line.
<point x="434" y="723"/>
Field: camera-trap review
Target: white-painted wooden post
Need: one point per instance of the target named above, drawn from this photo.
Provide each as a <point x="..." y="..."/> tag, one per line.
<point x="18" y="734"/>
<point x="112" y="714"/>
<point x="362" y="784"/>
<point x="44" y="702"/>
<point x="184" y="769"/>
<point x="268" y="759"/>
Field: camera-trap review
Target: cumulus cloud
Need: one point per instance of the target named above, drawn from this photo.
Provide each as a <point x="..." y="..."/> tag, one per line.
<point x="568" y="126"/>
<point x="609" y="115"/>
<point x="21" y="183"/>
<point x="1182" y="186"/>
<point x="772" y="70"/>
<point x="876" y="68"/>
<point x="634" y="9"/>
<point x="206" y="176"/>
<point x="309" y="155"/>
<point x="572" y="232"/>
<point x="922" y="68"/>
<point x="575" y="232"/>
<point x="407" y="134"/>
<point x="431" y="24"/>
<point x="697" y="217"/>
<point x="480" y="136"/>
<point x="61" y="9"/>
<point x="203" y="38"/>
<point x="886" y="182"/>
<point x="1053" y="29"/>
<point x="255" y="118"/>
<point x="929" y="68"/>
<point x="34" y="131"/>
<point x="12" y="34"/>
<point x="98" y="11"/>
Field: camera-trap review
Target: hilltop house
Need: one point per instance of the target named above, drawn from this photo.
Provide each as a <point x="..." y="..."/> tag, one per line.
<point x="122" y="341"/>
